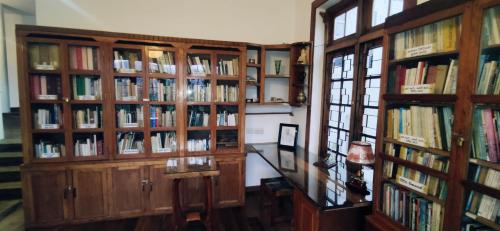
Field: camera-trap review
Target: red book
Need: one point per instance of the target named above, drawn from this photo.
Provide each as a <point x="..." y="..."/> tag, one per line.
<point x="35" y="86"/>
<point x="401" y="77"/>
<point x="431" y="75"/>
<point x="79" y="61"/>
<point x="491" y="136"/>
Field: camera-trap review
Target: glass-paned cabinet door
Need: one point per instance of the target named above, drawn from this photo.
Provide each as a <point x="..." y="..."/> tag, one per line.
<point x="488" y="82"/>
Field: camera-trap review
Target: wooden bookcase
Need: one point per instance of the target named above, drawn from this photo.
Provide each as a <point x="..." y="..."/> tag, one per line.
<point x="389" y="177"/>
<point x="263" y="82"/>
<point x="115" y="74"/>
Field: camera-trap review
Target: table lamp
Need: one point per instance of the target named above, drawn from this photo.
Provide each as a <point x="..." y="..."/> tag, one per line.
<point x="360" y="153"/>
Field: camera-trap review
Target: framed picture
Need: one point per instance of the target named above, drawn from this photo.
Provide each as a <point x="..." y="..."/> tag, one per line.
<point x="287" y="136"/>
<point x="287" y="160"/>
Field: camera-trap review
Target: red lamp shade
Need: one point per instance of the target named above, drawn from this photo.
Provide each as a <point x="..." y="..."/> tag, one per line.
<point x="360" y="153"/>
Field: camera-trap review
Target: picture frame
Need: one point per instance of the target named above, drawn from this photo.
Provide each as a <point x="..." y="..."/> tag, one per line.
<point x="287" y="160"/>
<point x="287" y="136"/>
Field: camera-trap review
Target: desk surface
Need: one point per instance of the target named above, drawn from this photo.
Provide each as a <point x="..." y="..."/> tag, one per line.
<point x="191" y="167"/>
<point x="325" y="188"/>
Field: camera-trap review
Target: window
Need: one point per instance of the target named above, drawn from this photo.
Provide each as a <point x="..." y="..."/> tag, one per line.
<point x="384" y="8"/>
<point x="345" y="23"/>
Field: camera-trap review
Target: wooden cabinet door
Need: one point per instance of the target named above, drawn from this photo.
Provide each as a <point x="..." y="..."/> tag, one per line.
<point x="306" y="215"/>
<point x="160" y="190"/>
<point x="127" y="190"/>
<point x="90" y="197"/>
<point x="230" y="185"/>
<point x="46" y="196"/>
<point x="192" y="193"/>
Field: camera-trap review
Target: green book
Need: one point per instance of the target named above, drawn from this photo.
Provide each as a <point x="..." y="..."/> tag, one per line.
<point x="80" y="85"/>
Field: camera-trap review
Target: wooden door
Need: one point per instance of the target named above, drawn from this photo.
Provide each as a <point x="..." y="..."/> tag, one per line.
<point x="160" y="190"/>
<point x="306" y="215"/>
<point x="46" y="196"/>
<point x="192" y="193"/>
<point x="127" y="190"/>
<point x="230" y="185"/>
<point x="90" y="196"/>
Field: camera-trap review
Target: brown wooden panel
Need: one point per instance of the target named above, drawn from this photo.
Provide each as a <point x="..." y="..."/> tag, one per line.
<point x="306" y="215"/>
<point x="90" y="193"/>
<point x="127" y="190"/>
<point x="229" y="187"/>
<point x="192" y="193"/>
<point x="48" y="189"/>
<point x="160" y="190"/>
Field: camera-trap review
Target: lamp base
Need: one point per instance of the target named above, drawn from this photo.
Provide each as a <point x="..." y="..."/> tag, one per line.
<point x="357" y="185"/>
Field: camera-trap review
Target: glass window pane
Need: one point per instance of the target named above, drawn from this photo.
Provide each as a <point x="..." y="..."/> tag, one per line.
<point x="339" y="27"/>
<point x="337" y="68"/>
<point x="396" y="7"/>
<point x="374" y="62"/>
<point x="379" y="11"/>
<point x="351" y="21"/>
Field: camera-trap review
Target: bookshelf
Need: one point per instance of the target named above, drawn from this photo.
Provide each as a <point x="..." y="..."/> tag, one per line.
<point x="434" y="93"/>
<point x="266" y="85"/>
<point x="106" y="109"/>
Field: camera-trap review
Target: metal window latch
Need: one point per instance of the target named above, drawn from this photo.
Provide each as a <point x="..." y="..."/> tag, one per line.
<point x="144" y="183"/>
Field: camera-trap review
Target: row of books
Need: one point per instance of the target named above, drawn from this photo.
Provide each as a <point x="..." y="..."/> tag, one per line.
<point x="485" y="135"/>
<point x="416" y="180"/>
<point x="87" y="118"/>
<point x="195" y="145"/>
<point x="130" y="117"/>
<point x="224" y="118"/>
<point x="83" y="58"/>
<point x="87" y="87"/>
<point x="127" y="61"/>
<point x="162" y="62"/>
<point x="164" y="142"/>
<point x="198" y="65"/>
<point x="227" y="93"/>
<point x="127" y="90"/>
<point x="412" y="211"/>
<point x="161" y="118"/>
<point x="162" y="90"/>
<point x="436" y="162"/>
<point x="88" y="147"/>
<point x="469" y="224"/>
<point x="45" y="87"/>
<point x="47" y="149"/>
<point x="128" y="143"/>
<point x="484" y="206"/>
<point x="44" y="56"/>
<point x="486" y="176"/>
<point x="491" y="26"/>
<point x="425" y="79"/>
<point x="198" y="118"/>
<point x="489" y="77"/>
<point x="228" y="67"/>
<point x="421" y="125"/>
<point x="48" y="118"/>
<point x="199" y="91"/>
<point x="441" y="36"/>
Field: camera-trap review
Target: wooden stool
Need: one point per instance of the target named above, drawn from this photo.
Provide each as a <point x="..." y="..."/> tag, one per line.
<point x="275" y="200"/>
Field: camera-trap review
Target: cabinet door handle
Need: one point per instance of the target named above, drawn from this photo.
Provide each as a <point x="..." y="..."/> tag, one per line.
<point x="65" y="194"/>
<point x="144" y="182"/>
<point x="74" y="192"/>
<point x="150" y="186"/>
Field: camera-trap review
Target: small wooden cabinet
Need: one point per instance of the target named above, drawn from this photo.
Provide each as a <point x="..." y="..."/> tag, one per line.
<point x="90" y="192"/>
<point x="127" y="187"/>
<point x="229" y="186"/>
<point x="160" y="194"/>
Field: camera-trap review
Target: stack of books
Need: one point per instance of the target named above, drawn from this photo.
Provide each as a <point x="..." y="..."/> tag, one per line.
<point x="160" y="62"/>
<point x="127" y="90"/>
<point x="492" y="26"/>
<point x="163" y="142"/>
<point x="228" y="67"/>
<point x="227" y="93"/>
<point x="48" y="149"/>
<point x="45" y="88"/>
<point x="128" y="143"/>
<point x="87" y="88"/>
<point x="485" y="135"/>
<point x="162" y="90"/>
<point x="48" y="118"/>
<point x="489" y="77"/>
<point x="127" y="61"/>
<point x="87" y="118"/>
<point x="198" y="65"/>
<point x="436" y="162"/>
<point x="130" y="117"/>
<point x="199" y="91"/>
<point x="198" y="118"/>
<point x="88" y="147"/>
<point x="161" y="117"/>
<point x="224" y="118"/>
<point x="83" y="58"/>
<point x="194" y="145"/>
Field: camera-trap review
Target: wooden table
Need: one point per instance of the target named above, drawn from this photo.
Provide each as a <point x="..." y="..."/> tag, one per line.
<point x="180" y="168"/>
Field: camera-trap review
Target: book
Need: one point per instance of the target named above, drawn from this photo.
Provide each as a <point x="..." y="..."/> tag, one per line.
<point x="162" y="116"/>
<point x="162" y="90"/>
<point x="130" y="143"/>
<point x="45" y="87"/>
<point x="90" y="117"/>
<point x="163" y="142"/>
<point x="227" y="93"/>
<point x="49" y="117"/>
<point x="196" y="145"/>
<point x="46" y="149"/>
<point x="198" y="116"/>
<point x="91" y="146"/>
<point x="228" y="67"/>
<point x="127" y="61"/>
<point x="424" y="78"/>
<point x="198" y="65"/>
<point x="162" y="62"/>
<point x="130" y="116"/>
<point x="129" y="89"/>
<point x="86" y="87"/>
<point x="199" y="90"/>
<point x="485" y="137"/>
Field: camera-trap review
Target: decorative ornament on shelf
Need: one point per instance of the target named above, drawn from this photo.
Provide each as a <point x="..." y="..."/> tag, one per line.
<point x="277" y="66"/>
<point x="301" y="97"/>
<point x="303" y="56"/>
<point x="360" y="153"/>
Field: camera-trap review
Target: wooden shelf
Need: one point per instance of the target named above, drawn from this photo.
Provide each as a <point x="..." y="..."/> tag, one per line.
<point x="207" y="128"/>
<point x="486" y="99"/>
<point x="484" y="163"/>
<point x="88" y="130"/>
<point x="424" y="98"/>
<point x="86" y="101"/>
<point x="129" y="75"/>
<point x="252" y="83"/>
<point x="492" y="192"/>
<point x="423" y="57"/>
<point x="253" y="65"/>
<point x="483" y="221"/>
<point x="89" y="158"/>
<point x="38" y="101"/>
<point x="428" y="197"/>
<point x="48" y="72"/>
<point x="162" y="129"/>
<point x="171" y="103"/>
<point x="429" y="150"/>
<point x="84" y="72"/>
<point x="199" y="103"/>
<point x="162" y="75"/>
<point x="416" y="166"/>
<point x="193" y="77"/>
<point x="227" y="103"/>
<point x="128" y="102"/>
<point x="137" y="129"/>
<point x="227" y="127"/>
<point x="492" y="48"/>
<point x="277" y="76"/>
<point x="227" y="77"/>
<point x="59" y="130"/>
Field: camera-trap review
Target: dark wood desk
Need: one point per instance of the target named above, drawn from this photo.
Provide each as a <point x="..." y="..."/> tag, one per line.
<point x="180" y="168"/>
<point x="321" y="199"/>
